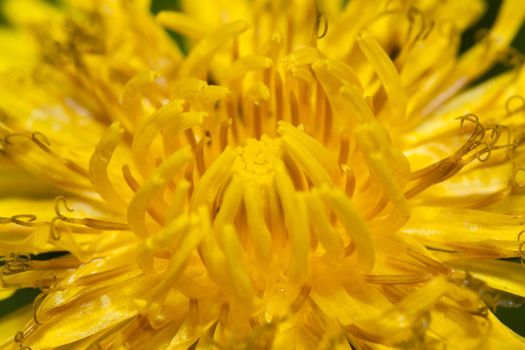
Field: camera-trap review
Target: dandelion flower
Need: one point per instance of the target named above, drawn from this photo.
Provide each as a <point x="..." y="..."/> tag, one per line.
<point x="310" y="175"/>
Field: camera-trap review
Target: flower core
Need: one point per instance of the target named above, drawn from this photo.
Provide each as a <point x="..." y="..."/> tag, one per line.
<point x="256" y="160"/>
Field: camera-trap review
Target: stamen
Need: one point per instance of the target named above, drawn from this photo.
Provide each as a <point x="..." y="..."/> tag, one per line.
<point x="511" y="58"/>
<point x="19" y="337"/>
<point x="299" y="301"/>
<point x="517" y="184"/>
<point x="130" y="179"/>
<point x="223" y="133"/>
<point x="301" y="183"/>
<point x="257" y="120"/>
<point x="516" y="142"/>
<point x="521" y="248"/>
<point x="99" y="224"/>
<point x="484" y="154"/>
<point x="190" y="137"/>
<point x="493" y="298"/>
<point x="36" y="305"/>
<point x="223" y="314"/>
<point x="253" y="323"/>
<point x="448" y="167"/>
<point x="294" y="108"/>
<point x="429" y="262"/>
<point x="426" y="32"/>
<point x="193" y="312"/>
<point x="61" y="200"/>
<point x="350" y="180"/>
<point x="41" y="140"/>
<point x="321" y="23"/>
<point x="43" y="143"/>
<point x="28" y="279"/>
<point x="481" y="35"/>
<point x="15" y="263"/>
<point x="414" y="15"/>
<point x="344" y="147"/>
<point x="381" y="203"/>
<point x="88" y="222"/>
<point x="199" y="155"/>
<point x="23" y="219"/>
<point x="514" y="104"/>
<point x="188" y="176"/>
<point x="278" y="94"/>
<point x="328" y="120"/>
<point x="398" y="279"/>
<point x="54" y="232"/>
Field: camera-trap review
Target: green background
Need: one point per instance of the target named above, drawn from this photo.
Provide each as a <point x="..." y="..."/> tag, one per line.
<point x="514" y="318"/>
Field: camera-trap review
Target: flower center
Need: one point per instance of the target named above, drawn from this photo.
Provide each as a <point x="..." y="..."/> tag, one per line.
<point x="256" y="159"/>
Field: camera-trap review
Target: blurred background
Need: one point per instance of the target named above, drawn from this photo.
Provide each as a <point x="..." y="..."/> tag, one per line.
<point x="513" y="317"/>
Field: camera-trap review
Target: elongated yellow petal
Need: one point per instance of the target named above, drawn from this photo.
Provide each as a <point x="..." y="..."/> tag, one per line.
<point x="323" y="228"/>
<point x="295" y="214"/>
<point x="239" y="278"/>
<point x="399" y="323"/>
<point x="141" y="201"/>
<point x="113" y="307"/>
<point x="439" y="228"/>
<point x="317" y="151"/>
<point x="99" y="162"/>
<point x="10" y="324"/>
<point x="502" y="275"/>
<point x="151" y="128"/>
<point x="213" y="179"/>
<point x="355" y="227"/>
<point x="258" y="230"/>
<point x="181" y="23"/>
<point x="386" y="71"/>
<point x="230" y="204"/>
<point x="199" y="57"/>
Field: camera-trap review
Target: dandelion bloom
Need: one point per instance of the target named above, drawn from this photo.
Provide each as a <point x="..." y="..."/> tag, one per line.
<point x="309" y="175"/>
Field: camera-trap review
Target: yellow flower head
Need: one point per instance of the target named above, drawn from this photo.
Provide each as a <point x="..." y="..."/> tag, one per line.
<point x="310" y="175"/>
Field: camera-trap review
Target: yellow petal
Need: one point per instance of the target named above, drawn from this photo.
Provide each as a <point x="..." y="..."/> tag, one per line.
<point x="502" y="275"/>
<point x="12" y="323"/>
<point x="449" y="228"/>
